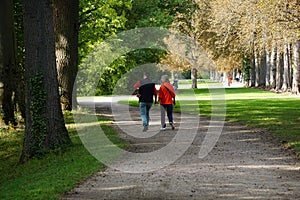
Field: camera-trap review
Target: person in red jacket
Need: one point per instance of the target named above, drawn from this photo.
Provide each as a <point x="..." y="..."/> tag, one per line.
<point x="166" y="96"/>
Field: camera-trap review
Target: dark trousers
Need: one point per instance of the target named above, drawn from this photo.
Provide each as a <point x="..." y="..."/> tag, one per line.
<point x="163" y="109"/>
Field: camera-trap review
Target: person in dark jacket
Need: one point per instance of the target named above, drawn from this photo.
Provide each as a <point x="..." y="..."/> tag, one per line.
<point x="145" y="90"/>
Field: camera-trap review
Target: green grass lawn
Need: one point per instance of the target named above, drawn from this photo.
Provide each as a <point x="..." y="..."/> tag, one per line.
<point x="229" y="93"/>
<point x="52" y="176"/>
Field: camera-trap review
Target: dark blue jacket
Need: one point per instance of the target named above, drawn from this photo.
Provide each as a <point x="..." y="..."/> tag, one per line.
<point x="147" y="90"/>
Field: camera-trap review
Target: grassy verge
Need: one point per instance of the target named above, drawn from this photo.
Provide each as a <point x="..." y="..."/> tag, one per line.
<point x="279" y="114"/>
<point x="52" y="176"/>
<point x="280" y="117"/>
<point x="229" y="93"/>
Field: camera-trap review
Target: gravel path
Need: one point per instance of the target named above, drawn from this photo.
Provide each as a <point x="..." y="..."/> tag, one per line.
<point x="244" y="164"/>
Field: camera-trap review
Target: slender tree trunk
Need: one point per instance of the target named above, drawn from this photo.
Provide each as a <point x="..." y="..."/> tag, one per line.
<point x="8" y="60"/>
<point x="286" y="85"/>
<point x="273" y="68"/>
<point x="215" y="75"/>
<point x="262" y="69"/>
<point x="268" y="68"/>
<point x="45" y="128"/>
<point x="253" y="71"/>
<point x="279" y="71"/>
<point x="212" y="75"/>
<point x="66" y="39"/>
<point x="194" y="77"/>
<point x="234" y="72"/>
<point x="246" y="72"/>
<point x="296" y="69"/>
<point x="257" y="69"/>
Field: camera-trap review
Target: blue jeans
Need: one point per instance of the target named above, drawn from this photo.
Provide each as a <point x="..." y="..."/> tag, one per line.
<point x="145" y="112"/>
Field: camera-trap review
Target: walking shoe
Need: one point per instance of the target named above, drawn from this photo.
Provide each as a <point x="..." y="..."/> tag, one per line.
<point x="145" y="128"/>
<point x="163" y="127"/>
<point x="172" y="125"/>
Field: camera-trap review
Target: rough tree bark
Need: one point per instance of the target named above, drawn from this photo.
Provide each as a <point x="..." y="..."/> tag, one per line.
<point x="66" y="42"/>
<point x="45" y="128"/>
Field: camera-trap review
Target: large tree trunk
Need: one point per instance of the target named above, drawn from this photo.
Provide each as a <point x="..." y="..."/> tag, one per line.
<point x="8" y="61"/>
<point x="45" y="128"/>
<point x="66" y="39"/>
<point x="296" y="69"/>
<point x="286" y="85"/>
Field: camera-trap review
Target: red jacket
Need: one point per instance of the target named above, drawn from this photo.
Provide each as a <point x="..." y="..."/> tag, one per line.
<point x="166" y="93"/>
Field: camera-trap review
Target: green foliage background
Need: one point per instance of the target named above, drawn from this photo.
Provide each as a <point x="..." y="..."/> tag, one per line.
<point x="100" y="20"/>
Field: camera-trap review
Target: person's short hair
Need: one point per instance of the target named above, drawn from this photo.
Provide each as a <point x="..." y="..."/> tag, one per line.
<point x="164" y="78"/>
